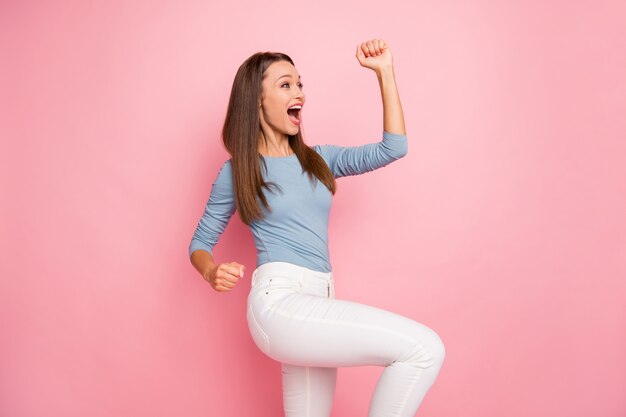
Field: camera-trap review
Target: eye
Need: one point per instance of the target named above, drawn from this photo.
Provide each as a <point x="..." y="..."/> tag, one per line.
<point x="286" y="83"/>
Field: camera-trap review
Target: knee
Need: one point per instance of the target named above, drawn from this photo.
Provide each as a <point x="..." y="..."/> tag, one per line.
<point x="428" y="351"/>
<point x="438" y="350"/>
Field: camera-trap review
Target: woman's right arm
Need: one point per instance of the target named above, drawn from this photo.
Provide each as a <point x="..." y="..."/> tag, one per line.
<point x="219" y="209"/>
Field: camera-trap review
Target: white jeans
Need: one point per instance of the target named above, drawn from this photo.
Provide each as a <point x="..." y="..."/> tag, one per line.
<point x="294" y="318"/>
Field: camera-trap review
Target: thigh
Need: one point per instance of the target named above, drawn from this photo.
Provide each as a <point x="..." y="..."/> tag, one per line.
<point x="310" y="330"/>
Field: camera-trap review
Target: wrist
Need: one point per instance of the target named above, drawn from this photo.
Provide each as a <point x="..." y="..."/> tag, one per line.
<point x="384" y="71"/>
<point x="207" y="273"/>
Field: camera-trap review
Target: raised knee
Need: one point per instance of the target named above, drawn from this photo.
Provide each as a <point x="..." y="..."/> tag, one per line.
<point x="438" y="351"/>
<point x="428" y="352"/>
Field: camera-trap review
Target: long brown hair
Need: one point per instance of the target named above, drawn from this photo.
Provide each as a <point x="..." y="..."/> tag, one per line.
<point x="241" y="132"/>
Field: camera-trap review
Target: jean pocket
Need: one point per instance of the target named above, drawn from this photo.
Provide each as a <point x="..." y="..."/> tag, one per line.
<point x="258" y="335"/>
<point x="273" y="289"/>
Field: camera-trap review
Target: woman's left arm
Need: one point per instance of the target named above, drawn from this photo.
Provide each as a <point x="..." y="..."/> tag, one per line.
<point x="376" y="55"/>
<point x="355" y="160"/>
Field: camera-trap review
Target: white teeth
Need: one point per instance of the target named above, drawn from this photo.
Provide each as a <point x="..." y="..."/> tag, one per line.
<point x="297" y="106"/>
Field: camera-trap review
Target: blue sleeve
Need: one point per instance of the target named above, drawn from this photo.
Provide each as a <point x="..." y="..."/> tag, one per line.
<point x="355" y="160"/>
<point x="217" y="212"/>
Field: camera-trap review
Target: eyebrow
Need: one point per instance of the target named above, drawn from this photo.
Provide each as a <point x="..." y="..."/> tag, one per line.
<point x="287" y="75"/>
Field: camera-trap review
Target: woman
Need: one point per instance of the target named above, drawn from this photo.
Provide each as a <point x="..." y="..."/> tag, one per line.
<point x="282" y="189"/>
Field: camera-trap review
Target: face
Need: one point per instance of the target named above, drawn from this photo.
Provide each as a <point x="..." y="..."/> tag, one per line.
<point x="282" y="89"/>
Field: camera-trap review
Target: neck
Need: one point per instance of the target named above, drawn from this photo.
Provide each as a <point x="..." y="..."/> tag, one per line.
<point x="272" y="144"/>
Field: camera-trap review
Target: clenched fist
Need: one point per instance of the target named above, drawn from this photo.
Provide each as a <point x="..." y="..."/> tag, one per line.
<point x="223" y="277"/>
<point x="374" y="54"/>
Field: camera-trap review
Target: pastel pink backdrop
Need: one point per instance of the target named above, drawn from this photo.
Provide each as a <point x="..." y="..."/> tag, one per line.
<point x="503" y="228"/>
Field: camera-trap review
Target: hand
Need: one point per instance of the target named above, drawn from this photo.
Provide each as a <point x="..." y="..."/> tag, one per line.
<point x="374" y="54"/>
<point x="224" y="277"/>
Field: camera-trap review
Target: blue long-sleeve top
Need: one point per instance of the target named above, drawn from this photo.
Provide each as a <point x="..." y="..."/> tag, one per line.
<point x="296" y="230"/>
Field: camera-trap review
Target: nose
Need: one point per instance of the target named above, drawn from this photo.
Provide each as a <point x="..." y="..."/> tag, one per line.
<point x="299" y="92"/>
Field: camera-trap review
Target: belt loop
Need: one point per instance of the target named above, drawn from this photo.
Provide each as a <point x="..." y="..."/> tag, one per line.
<point x="302" y="276"/>
<point x="329" y="281"/>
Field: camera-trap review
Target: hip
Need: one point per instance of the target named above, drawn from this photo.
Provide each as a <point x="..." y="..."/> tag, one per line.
<point x="273" y="282"/>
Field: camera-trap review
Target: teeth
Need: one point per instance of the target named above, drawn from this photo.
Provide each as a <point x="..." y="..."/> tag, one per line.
<point x="297" y="106"/>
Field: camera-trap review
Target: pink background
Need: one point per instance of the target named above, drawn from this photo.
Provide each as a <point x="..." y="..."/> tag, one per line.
<point x="503" y="229"/>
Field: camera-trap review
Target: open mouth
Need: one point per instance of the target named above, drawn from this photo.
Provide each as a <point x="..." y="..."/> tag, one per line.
<point x="294" y="115"/>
